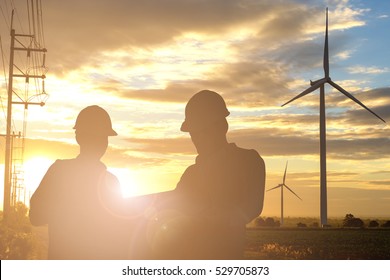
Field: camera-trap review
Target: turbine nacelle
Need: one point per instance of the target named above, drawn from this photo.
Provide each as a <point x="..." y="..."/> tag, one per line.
<point x="325" y="80"/>
<point x="318" y="83"/>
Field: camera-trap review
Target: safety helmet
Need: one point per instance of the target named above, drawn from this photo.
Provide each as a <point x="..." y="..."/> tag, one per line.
<point x="94" y="120"/>
<point x="203" y="110"/>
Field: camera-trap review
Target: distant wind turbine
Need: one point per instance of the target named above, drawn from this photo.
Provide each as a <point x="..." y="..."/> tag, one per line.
<point x="321" y="84"/>
<point x="281" y="186"/>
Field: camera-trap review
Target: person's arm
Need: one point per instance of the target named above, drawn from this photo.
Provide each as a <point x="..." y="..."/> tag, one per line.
<point x="255" y="185"/>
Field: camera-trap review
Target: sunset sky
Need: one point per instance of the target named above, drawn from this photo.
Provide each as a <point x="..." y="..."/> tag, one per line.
<point x="143" y="60"/>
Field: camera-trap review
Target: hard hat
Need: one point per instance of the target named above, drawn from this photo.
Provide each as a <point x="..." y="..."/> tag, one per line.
<point x="203" y="109"/>
<point x="94" y="120"/>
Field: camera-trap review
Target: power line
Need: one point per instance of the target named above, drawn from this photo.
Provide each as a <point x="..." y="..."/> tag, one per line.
<point x="30" y="66"/>
<point x="5" y="17"/>
<point x="41" y="28"/>
<point x="5" y="77"/>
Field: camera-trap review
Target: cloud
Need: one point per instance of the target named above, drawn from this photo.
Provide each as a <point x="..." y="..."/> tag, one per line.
<point x="51" y="149"/>
<point x="367" y="70"/>
<point x="182" y="145"/>
<point x="76" y="32"/>
<point x="249" y="84"/>
<point x="114" y="157"/>
<point x="380" y="183"/>
<point x="276" y="143"/>
<point x="265" y="44"/>
<point x="265" y="41"/>
<point x="380" y="98"/>
<point x="88" y="27"/>
<point x="174" y="92"/>
<point x="360" y="149"/>
<point x="361" y="116"/>
<point x="373" y="203"/>
<point x="348" y="115"/>
<point x="278" y="38"/>
<point x="272" y="142"/>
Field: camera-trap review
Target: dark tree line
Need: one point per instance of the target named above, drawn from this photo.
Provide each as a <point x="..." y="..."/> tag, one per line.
<point x="267" y="222"/>
<point x="351" y="221"/>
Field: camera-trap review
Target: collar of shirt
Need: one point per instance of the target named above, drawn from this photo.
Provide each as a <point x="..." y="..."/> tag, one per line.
<point x="91" y="163"/>
<point x="201" y="159"/>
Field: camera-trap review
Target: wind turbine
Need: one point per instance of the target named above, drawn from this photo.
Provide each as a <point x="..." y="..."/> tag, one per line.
<point x="281" y="186"/>
<point x="321" y="85"/>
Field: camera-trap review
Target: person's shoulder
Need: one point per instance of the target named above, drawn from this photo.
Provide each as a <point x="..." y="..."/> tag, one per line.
<point x="111" y="179"/>
<point x="66" y="164"/>
<point x="243" y="151"/>
<point x="69" y="161"/>
<point x="247" y="155"/>
<point x="189" y="173"/>
<point x="60" y="164"/>
<point x="191" y="169"/>
<point x="110" y="175"/>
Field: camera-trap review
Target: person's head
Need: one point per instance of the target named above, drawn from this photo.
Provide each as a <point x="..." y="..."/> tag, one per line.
<point x="93" y="126"/>
<point x="205" y="120"/>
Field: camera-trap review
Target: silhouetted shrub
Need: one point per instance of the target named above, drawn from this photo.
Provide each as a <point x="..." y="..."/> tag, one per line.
<point x="351" y="221"/>
<point x="259" y="222"/>
<point x="17" y="241"/>
<point x="301" y="225"/>
<point x="386" y="224"/>
<point x="373" y="224"/>
<point x="270" y="222"/>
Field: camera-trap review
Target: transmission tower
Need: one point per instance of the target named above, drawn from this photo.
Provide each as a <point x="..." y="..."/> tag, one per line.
<point x="29" y="47"/>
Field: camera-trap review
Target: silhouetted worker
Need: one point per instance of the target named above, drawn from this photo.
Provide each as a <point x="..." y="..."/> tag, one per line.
<point x="78" y="197"/>
<point x="218" y="195"/>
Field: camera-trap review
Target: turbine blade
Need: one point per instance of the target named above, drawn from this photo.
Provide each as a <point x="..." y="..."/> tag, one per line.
<point x="308" y="90"/>
<point x="285" y="171"/>
<point x="278" y="186"/>
<point x="292" y="191"/>
<point x="350" y="96"/>
<point x="326" y="49"/>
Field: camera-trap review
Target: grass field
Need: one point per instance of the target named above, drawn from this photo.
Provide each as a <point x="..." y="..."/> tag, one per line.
<point x="22" y="241"/>
<point x="318" y="244"/>
<point x="292" y="243"/>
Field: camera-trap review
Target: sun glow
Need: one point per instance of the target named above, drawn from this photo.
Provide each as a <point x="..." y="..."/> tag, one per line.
<point x="128" y="181"/>
<point x="34" y="170"/>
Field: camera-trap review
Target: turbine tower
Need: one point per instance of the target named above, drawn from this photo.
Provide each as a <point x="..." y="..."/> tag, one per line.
<point x="321" y="85"/>
<point x="281" y="186"/>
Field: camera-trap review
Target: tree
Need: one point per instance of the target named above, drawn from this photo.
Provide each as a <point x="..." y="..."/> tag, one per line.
<point x="351" y="221"/>
<point x="373" y="224"/>
<point x="347" y="220"/>
<point x="18" y="218"/>
<point x="17" y="242"/>
<point x="259" y="222"/>
<point x="270" y="222"/>
<point x="386" y="224"/>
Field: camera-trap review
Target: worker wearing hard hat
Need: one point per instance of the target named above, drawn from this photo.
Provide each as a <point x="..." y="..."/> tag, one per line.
<point x="77" y="197"/>
<point x="218" y="195"/>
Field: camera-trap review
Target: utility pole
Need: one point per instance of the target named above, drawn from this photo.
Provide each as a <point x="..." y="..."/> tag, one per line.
<point x="8" y="137"/>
